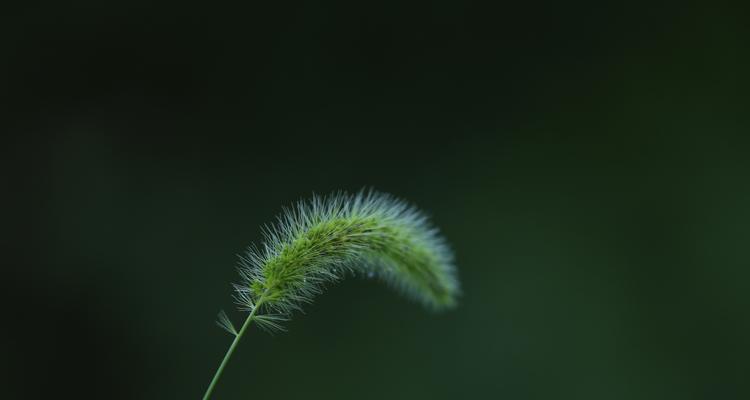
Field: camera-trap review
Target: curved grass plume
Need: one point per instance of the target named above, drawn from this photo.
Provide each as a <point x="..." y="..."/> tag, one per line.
<point x="323" y="240"/>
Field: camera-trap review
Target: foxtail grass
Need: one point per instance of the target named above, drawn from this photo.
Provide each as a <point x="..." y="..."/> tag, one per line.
<point x="325" y="239"/>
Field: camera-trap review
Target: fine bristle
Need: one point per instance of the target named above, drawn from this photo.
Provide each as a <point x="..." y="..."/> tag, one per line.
<point x="224" y="323"/>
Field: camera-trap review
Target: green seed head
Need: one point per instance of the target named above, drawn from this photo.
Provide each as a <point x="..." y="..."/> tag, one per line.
<point x="324" y="239"/>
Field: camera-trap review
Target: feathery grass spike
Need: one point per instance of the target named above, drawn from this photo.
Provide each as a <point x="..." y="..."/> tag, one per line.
<point x="323" y="240"/>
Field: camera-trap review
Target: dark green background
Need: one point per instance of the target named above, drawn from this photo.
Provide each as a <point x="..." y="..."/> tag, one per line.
<point x="587" y="162"/>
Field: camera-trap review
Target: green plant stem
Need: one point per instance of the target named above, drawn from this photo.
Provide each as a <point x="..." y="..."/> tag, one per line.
<point x="236" y="340"/>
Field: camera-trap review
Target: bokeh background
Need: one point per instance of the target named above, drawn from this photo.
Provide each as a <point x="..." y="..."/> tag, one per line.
<point x="587" y="161"/>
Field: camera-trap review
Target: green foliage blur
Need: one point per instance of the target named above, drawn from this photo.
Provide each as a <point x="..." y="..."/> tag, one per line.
<point x="587" y="162"/>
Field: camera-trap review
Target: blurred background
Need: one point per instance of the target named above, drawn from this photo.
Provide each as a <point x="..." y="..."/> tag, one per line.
<point x="587" y="161"/>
